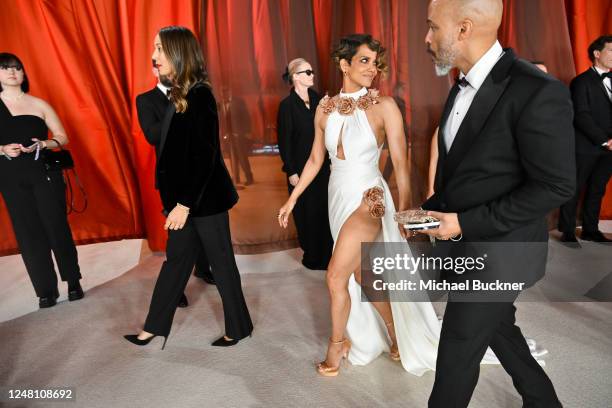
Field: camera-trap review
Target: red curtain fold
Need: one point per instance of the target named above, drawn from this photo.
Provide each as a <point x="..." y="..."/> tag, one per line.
<point x="90" y="58"/>
<point x="73" y="60"/>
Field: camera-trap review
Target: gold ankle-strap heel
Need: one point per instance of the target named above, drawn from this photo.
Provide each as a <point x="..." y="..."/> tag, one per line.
<point x="328" y="371"/>
<point x="393" y="350"/>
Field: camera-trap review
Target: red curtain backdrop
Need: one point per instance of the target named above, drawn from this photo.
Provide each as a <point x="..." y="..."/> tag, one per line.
<point x="90" y="58"/>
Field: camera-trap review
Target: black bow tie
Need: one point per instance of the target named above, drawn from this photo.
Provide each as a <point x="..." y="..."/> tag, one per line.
<point x="606" y="75"/>
<point x="168" y="92"/>
<point x="462" y="82"/>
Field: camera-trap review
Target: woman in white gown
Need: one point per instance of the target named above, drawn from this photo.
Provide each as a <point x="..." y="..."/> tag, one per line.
<point x="352" y="127"/>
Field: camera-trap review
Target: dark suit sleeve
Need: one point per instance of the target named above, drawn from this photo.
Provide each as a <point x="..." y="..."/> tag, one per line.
<point x="149" y="122"/>
<point x="202" y="150"/>
<point x="545" y="142"/>
<point x="583" y="115"/>
<point x="284" y="125"/>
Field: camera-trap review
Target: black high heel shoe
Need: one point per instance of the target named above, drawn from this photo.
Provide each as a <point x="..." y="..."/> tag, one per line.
<point x="133" y="338"/>
<point x="223" y="342"/>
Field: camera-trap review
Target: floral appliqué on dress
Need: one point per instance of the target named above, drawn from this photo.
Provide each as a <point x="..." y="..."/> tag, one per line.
<point x="374" y="199"/>
<point x="347" y="105"/>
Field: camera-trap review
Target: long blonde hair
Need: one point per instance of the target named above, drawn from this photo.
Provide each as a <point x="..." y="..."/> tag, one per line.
<point x="185" y="55"/>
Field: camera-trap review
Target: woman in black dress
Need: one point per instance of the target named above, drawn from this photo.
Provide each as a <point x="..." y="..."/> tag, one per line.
<point x="35" y="198"/>
<point x="196" y="192"/>
<point x="295" y="137"/>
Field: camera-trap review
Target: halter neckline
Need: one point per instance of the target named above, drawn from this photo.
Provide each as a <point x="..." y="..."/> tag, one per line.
<point x="354" y="95"/>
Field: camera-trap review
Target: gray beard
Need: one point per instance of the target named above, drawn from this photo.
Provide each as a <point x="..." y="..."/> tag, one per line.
<point x="443" y="69"/>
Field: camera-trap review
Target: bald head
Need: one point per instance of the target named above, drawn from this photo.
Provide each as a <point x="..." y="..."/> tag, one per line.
<point x="461" y="31"/>
<point x="484" y="13"/>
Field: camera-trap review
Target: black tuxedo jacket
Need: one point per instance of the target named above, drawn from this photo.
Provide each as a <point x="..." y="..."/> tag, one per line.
<point x="593" y="109"/>
<point x="151" y="108"/>
<point x="190" y="168"/>
<point x="511" y="162"/>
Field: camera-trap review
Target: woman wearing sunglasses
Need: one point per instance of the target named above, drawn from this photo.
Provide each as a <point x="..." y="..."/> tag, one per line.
<point x="34" y="196"/>
<point x="295" y="137"/>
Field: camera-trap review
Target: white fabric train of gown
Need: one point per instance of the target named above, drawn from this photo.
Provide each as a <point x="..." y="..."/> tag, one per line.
<point x="417" y="327"/>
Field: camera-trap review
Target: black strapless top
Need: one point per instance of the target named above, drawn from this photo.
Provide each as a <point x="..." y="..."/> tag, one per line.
<point x="20" y="129"/>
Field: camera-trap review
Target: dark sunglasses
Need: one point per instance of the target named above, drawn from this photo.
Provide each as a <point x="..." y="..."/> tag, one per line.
<point x="308" y="72"/>
<point x="9" y="66"/>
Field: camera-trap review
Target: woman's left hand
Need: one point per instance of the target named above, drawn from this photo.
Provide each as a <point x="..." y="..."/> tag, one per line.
<point x="32" y="148"/>
<point x="177" y="218"/>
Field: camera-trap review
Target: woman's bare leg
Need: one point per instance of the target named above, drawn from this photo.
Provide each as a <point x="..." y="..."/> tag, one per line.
<point x="359" y="227"/>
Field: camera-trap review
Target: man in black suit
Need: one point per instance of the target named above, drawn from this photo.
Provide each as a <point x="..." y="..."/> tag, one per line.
<point x="592" y="97"/>
<point x="151" y="107"/>
<point x="506" y="158"/>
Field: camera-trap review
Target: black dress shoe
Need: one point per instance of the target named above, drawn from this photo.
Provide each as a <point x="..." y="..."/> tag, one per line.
<point x="75" y="291"/>
<point x="133" y="338"/>
<point x="315" y="266"/>
<point x="569" y="240"/>
<point x="568" y="237"/>
<point x="183" y="301"/>
<point x="48" y="301"/>
<point x="223" y="342"/>
<point x="594" y="236"/>
<point x="206" y="276"/>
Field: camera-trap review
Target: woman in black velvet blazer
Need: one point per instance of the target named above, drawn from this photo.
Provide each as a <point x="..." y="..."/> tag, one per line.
<point x="196" y="192"/>
<point x="191" y="170"/>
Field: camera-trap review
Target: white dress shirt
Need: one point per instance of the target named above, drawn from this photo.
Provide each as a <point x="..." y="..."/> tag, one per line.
<point x="607" y="82"/>
<point x="465" y="97"/>
<point x="163" y="88"/>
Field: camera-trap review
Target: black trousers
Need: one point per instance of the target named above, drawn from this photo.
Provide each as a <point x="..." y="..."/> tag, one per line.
<point x="467" y="330"/>
<point x="594" y="172"/>
<point x="311" y="218"/>
<point x="181" y="252"/>
<point x="37" y="207"/>
<point x="202" y="266"/>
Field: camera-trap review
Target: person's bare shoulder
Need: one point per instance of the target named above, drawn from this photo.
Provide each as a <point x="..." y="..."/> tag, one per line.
<point x="38" y="106"/>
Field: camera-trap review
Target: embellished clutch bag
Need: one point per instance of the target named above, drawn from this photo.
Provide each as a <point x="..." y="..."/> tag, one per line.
<point x="416" y="219"/>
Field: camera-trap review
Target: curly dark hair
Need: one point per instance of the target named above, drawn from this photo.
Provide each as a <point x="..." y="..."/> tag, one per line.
<point x="348" y="46"/>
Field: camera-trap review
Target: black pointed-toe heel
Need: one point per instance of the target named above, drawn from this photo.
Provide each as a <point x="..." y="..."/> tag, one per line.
<point x="183" y="301"/>
<point x="133" y="338"/>
<point x="223" y="342"/>
<point x="75" y="291"/>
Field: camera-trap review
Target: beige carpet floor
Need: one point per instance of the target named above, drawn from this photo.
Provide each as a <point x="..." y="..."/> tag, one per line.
<point x="80" y="345"/>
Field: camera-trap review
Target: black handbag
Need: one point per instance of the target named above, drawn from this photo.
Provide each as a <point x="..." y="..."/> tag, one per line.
<point x="58" y="160"/>
<point x="61" y="160"/>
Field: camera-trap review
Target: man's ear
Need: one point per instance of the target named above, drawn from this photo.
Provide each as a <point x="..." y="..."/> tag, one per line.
<point x="465" y="29"/>
<point x="597" y="54"/>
